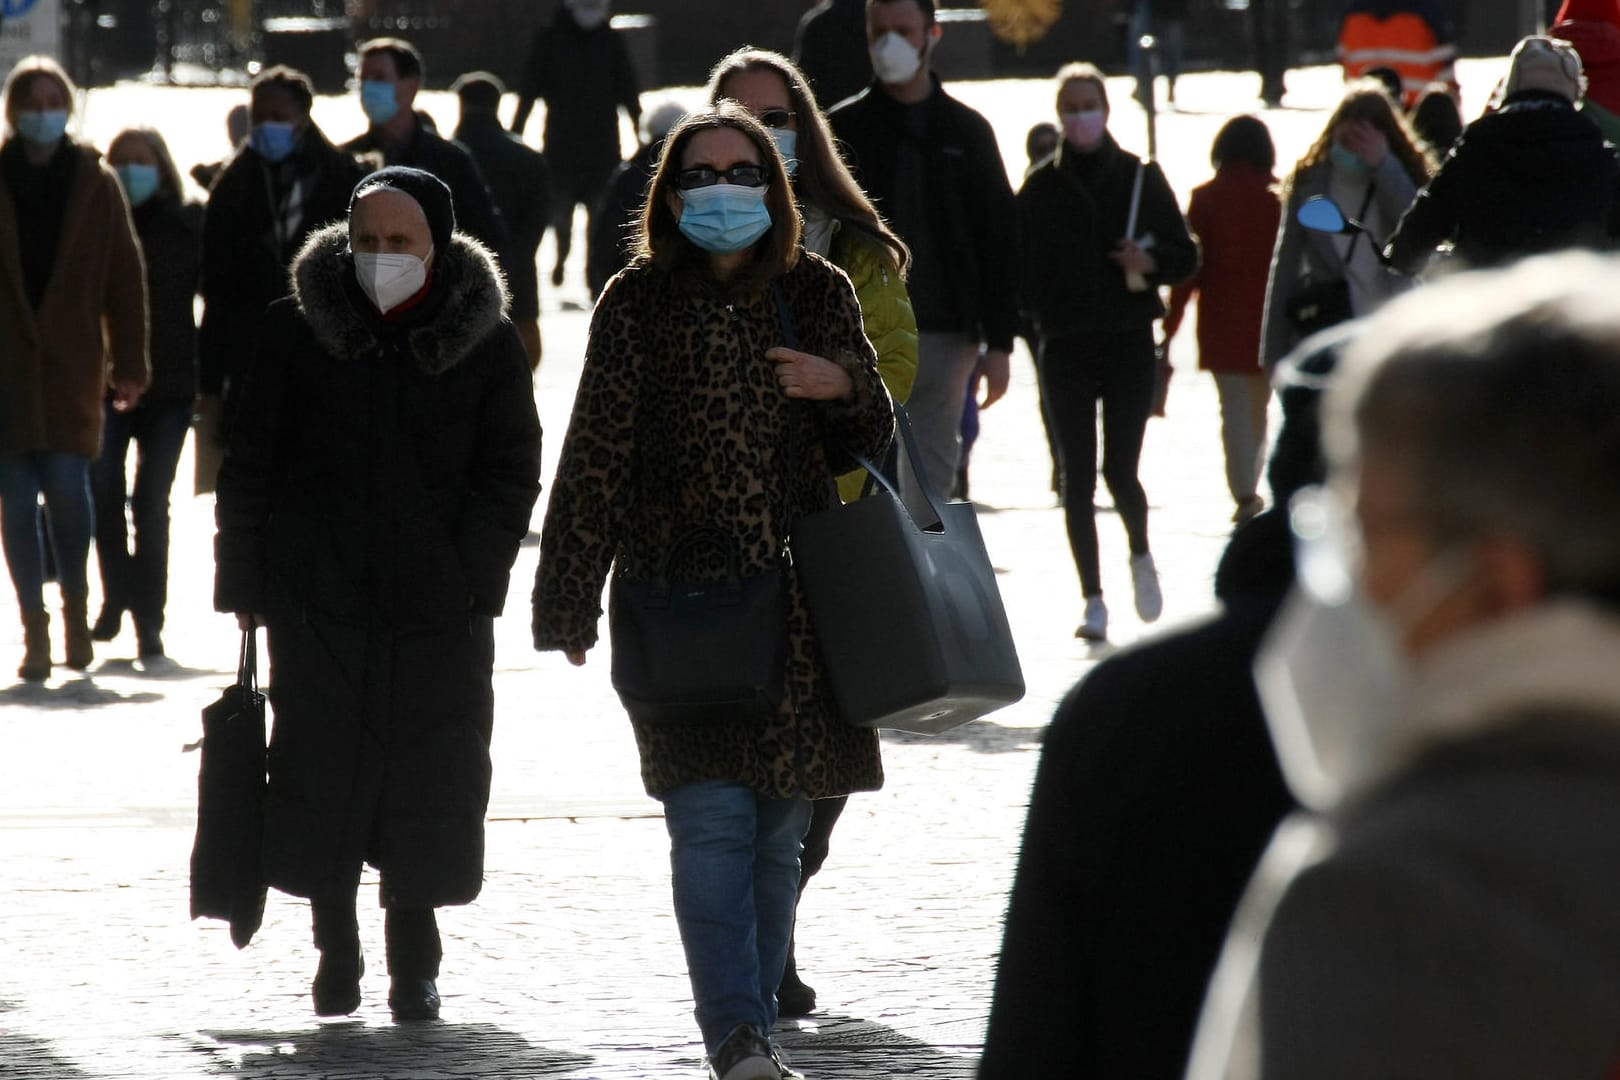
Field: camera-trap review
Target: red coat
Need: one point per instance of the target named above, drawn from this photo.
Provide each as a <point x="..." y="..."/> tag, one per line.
<point x="1235" y="216"/>
<point x="1593" y="27"/>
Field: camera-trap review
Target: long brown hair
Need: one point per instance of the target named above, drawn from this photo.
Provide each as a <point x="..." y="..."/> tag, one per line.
<point x="663" y="245"/>
<point x="169" y="182"/>
<point x="823" y="180"/>
<point x="1366" y="99"/>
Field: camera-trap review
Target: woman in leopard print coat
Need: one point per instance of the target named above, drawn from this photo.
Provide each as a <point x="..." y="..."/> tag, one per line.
<point x="691" y="411"/>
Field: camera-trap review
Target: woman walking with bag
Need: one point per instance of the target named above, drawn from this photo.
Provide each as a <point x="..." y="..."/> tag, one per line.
<point x="170" y="231"/>
<point x="72" y="326"/>
<point x="1371" y="163"/>
<point x="692" y="415"/>
<point x="380" y="476"/>
<point x="1099" y="232"/>
<point x="840" y="224"/>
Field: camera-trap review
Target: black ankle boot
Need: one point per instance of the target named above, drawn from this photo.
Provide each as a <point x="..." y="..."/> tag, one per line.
<point x="413" y="999"/>
<point x="337" y="982"/>
<point x="793" y="997"/>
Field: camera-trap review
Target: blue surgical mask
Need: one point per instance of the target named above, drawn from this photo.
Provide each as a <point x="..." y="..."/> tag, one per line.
<point x="274" y="142"/>
<point x="42" y="127"/>
<point x="787" y="142"/>
<point x="379" y="101"/>
<point x="723" y="218"/>
<point x="140" y="181"/>
<point x="1347" y="161"/>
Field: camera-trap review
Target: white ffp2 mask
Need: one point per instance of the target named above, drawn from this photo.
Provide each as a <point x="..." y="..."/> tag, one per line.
<point x="389" y="278"/>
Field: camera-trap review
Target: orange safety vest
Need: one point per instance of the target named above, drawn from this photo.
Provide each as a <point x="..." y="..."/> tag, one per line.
<point x="1404" y="42"/>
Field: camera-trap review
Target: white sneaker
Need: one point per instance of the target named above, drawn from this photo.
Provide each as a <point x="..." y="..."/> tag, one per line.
<point x="1145" y="580"/>
<point x="1095" y="626"/>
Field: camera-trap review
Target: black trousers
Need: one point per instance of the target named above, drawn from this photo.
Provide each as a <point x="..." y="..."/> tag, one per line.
<point x="1079" y="373"/>
<point x="411" y="934"/>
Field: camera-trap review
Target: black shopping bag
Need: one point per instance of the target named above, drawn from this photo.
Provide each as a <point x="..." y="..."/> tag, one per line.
<point x="909" y="616"/>
<point x="227" y="879"/>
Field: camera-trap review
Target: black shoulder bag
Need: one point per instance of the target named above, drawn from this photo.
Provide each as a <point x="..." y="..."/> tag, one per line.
<point x="1320" y="305"/>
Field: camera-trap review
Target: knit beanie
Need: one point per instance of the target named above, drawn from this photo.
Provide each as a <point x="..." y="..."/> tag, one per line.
<point x="428" y="190"/>
<point x="1542" y="63"/>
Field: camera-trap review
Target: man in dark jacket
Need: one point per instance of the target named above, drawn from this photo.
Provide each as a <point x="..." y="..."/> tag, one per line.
<point x="830" y="48"/>
<point x="287" y="181"/>
<point x="616" y="225"/>
<point x="390" y="78"/>
<point x="1533" y="175"/>
<point x="580" y="67"/>
<point x="376" y="489"/>
<point x="932" y="167"/>
<point x="521" y="185"/>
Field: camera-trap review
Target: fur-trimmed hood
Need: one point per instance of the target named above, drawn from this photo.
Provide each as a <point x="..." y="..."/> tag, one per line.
<point x="477" y="300"/>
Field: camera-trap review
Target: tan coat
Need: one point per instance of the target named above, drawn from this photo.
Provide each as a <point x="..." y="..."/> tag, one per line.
<point x="56" y="363"/>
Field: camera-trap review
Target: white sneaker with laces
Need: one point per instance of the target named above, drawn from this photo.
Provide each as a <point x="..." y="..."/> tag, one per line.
<point x="1145" y="580"/>
<point x="1095" y="626"/>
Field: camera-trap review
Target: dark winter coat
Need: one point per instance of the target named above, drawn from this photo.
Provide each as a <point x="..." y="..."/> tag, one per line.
<point x="679" y="422"/>
<point x="246" y="250"/>
<point x="583" y="76"/>
<point x="520" y="184"/>
<point x="971" y="212"/>
<point x="1156" y="793"/>
<point x="1234" y="218"/>
<point x="831" y="49"/>
<point x="616" y="224"/>
<point x="56" y="359"/>
<point x="377" y="485"/>
<point x="429" y="151"/>
<point x="1072" y="212"/>
<point x="170" y="232"/>
<point x="1534" y="175"/>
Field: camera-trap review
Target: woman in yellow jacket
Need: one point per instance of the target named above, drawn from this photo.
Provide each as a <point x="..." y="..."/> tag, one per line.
<point x="840" y="223"/>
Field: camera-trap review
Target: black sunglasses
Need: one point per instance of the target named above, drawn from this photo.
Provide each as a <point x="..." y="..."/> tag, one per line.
<point x="744" y="175"/>
<point x="776" y="118"/>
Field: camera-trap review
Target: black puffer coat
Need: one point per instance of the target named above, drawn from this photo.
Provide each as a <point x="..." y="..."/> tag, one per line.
<point x="1533" y="176"/>
<point x="372" y="500"/>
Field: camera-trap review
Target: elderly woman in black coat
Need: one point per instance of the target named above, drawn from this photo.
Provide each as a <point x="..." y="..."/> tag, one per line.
<point x="370" y="506"/>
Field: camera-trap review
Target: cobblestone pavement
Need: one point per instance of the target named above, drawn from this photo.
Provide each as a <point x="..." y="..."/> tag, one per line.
<point x="569" y="964"/>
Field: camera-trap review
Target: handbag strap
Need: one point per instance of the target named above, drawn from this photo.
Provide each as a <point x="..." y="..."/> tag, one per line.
<point x="247" y="663"/>
<point x="1361" y="216"/>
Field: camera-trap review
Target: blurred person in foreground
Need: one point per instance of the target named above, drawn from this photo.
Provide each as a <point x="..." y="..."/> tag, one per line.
<point x="520" y="184"/>
<point x="379" y="480"/>
<point x="135" y="578"/>
<point x="1530" y="176"/>
<point x="72" y="331"/>
<point x="840" y="225"/>
<point x="693" y="413"/>
<point x="1234" y="218"/>
<point x="1444" y="693"/>
<point x="1156" y="794"/>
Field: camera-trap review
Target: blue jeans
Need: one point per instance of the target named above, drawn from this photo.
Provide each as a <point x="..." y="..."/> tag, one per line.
<point x="138" y="581"/>
<point x="734" y="857"/>
<point x="64" y="480"/>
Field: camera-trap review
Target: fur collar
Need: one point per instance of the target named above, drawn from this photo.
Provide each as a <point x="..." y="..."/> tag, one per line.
<point x="476" y="302"/>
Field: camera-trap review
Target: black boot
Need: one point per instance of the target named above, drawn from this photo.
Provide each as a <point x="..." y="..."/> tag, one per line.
<point x="793" y="997"/>
<point x="414" y="952"/>
<point x="336" y="989"/>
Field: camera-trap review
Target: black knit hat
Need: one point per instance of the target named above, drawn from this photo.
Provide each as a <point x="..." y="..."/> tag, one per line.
<point x="428" y="190"/>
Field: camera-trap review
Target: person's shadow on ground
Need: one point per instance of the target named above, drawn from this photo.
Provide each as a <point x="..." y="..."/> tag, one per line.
<point x="79" y="692"/>
<point x="849" y="1046"/>
<point x="393" y="1050"/>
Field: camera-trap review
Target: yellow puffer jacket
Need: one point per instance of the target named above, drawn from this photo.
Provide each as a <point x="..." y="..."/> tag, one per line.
<point x="886" y="315"/>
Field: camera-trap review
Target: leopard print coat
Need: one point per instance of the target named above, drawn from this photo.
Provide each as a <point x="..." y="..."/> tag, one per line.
<point x="679" y="422"/>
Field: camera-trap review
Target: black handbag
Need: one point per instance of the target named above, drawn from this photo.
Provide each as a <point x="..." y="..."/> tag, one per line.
<point x="1320" y="305"/>
<point x="909" y="617"/>
<point x="687" y="652"/>
<point x="227" y="876"/>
